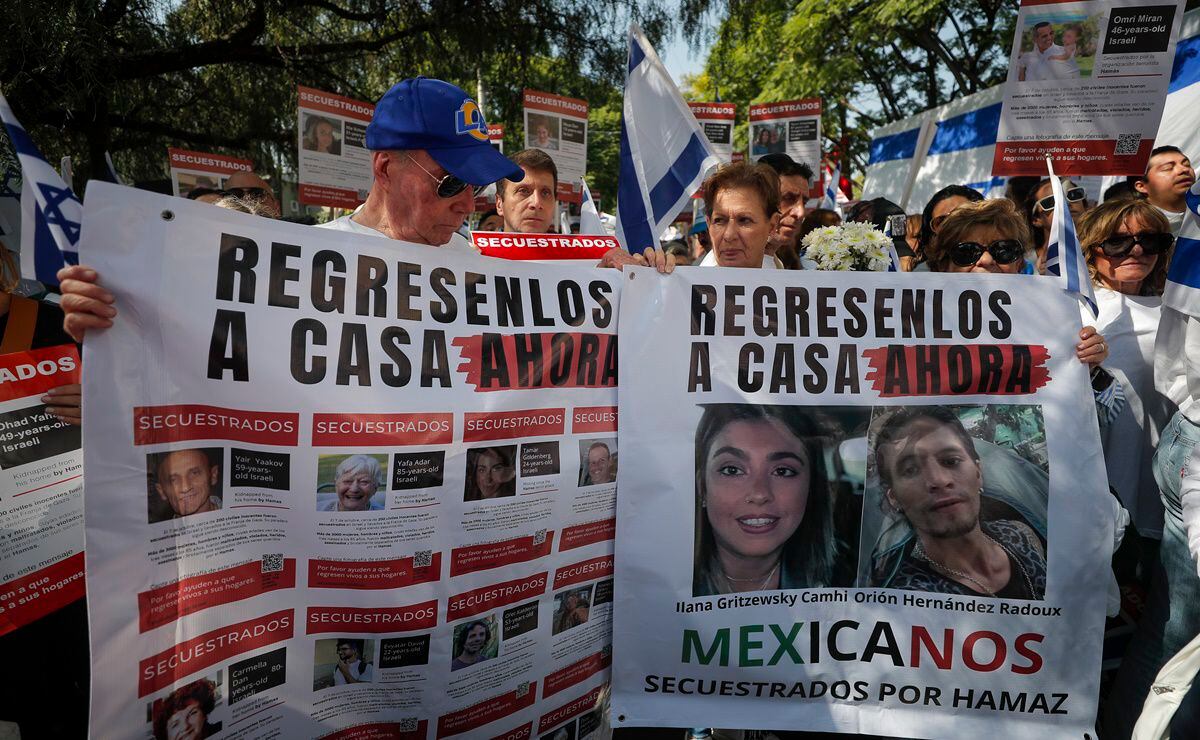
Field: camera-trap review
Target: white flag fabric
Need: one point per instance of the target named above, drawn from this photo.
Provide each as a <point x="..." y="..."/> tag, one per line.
<point x="664" y="152"/>
<point x="1182" y="292"/>
<point x="1064" y="258"/>
<point x="831" y="188"/>
<point x="50" y="212"/>
<point x="589" y="217"/>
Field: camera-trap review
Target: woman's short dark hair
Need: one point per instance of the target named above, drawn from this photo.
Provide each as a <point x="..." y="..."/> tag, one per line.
<point x="462" y="636"/>
<point x="742" y="175"/>
<point x="950" y="191"/>
<point x="891" y="430"/>
<point x="808" y="554"/>
<point x="202" y="691"/>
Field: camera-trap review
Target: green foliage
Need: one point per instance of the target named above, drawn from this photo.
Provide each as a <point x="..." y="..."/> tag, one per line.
<point x="135" y="76"/>
<point x="871" y="61"/>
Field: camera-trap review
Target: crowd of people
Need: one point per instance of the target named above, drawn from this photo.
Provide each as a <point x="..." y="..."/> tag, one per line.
<point x="425" y="181"/>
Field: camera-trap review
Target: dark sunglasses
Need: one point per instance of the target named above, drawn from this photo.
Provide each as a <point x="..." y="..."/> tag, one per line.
<point x="1152" y="242"/>
<point x="1003" y="251"/>
<point x="1074" y="195"/>
<point x="450" y="185"/>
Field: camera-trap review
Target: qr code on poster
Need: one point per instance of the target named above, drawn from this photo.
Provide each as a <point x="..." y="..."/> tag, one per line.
<point x="522" y="689"/>
<point x="539" y="537"/>
<point x="272" y="563"/>
<point x="423" y="559"/>
<point x="408" y="724"/>
<point x="1128" y="143"/>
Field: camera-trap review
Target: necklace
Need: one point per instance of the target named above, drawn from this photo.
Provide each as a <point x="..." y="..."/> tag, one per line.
<point x="760" y="587"/>
<point x="919" y="551"/>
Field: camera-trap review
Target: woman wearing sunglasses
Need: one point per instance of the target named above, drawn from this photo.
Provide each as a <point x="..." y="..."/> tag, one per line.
<point x="992" y="236"/>
<point x="1127" y="246"/>
<point x="1039" y="210"/>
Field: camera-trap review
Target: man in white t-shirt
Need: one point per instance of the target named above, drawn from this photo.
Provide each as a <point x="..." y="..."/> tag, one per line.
<point x="1169" y="175"/>
<point x="1035" y="64"/>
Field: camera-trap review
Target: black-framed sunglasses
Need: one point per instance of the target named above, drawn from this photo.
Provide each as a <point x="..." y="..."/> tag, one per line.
<point x="450" y="185"/>
<point x="1153" y="242"/>
<point x="1003" y="251"/>
<point x="1074" y="195"/>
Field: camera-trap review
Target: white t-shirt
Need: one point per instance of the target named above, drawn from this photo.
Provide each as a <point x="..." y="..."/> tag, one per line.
<point x="364" y="676"/>
<point x="770" y="262"/>
<point x="1175" y="218"/>
<point x="347" y="223"/>
<point x="1177" y="362"/>
<point x="1129" y="325"/>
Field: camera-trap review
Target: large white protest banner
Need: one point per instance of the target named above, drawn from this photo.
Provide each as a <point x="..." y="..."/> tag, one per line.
<point x="191" y="170"/>
<point x="342" y="486"/>
<point x="863" y="506"/>
<point x="792" y="127"/>
<point x="1086" y="85"/>
<point x="558" y="126"/>
<point x="335" y="165"/>
<point x="41" y="489"/>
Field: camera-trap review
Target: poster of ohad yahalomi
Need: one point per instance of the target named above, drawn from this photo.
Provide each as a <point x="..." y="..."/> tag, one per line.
<point x="1087" y="82"/>
<point x="861" y="506"/>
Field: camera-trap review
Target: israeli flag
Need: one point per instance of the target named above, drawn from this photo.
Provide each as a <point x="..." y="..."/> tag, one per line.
<point x="664" y="153"/>
<point x="50" y="212"/>
<point x="589" y="218"/>
<point x="1182" y="292"/>
<point x="830" y="200"/>
<point x="1064" y="258"/>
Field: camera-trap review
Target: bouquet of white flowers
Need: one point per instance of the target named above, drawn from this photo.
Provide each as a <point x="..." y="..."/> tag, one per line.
<point x="853" y="246"/>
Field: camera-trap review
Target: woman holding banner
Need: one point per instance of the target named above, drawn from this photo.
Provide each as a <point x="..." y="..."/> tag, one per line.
<point x="742" y="202"/>
<point x="763" y="512"/>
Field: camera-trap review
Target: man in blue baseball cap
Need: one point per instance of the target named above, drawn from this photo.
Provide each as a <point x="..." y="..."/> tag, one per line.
<point x="429" y="155"/>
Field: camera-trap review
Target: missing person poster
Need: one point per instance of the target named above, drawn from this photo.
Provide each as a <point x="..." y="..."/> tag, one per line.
<point x="716" y="119"/>
<point x="864" y="507"/>
<point x="558" y="126"/>
<point x="346" y="487"/>
<point x="335" y="165"/>
<point x="791" y="127"/>
<point x="41" y="489"/>
<point x="202" y="170"/>
<point x="512" y="246"/>
<point x="1087" y="82"/>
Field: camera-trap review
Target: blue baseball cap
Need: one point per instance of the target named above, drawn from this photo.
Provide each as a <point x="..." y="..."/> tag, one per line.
<point x="422" y="113"/>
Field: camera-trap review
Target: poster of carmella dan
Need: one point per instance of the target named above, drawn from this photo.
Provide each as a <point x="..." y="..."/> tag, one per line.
<point x="558" y="126"/>
<point x="828" y="464"/>
<point x="335" y="165"/>
<point x="791" y="127"/>
<point x="346" y="486"/>
<point x="1087" y="82"/>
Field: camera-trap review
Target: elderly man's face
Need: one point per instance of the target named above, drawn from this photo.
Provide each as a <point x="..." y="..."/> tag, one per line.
<point x="414" y="210"/>
<point x="1045" y="37"/>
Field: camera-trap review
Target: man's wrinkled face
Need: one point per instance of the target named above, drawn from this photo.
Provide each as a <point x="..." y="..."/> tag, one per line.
<point x="185" y="481"/>
<point x="414" y="210"/>
<point x="793" y="192"/>
<point x="528" y="206"/>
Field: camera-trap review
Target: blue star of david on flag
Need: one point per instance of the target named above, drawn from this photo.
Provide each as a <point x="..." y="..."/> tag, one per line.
<point x="50" y="213"/>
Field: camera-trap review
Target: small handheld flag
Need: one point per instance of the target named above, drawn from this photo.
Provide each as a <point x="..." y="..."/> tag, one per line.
<point x="1064" y="258"/>
<point x="589" y="217"/>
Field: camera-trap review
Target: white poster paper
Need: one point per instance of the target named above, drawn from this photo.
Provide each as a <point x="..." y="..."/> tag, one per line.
<point x="341" y="486"/>
<point x="1087" y="82"/>
<point x="41" y="489"/>
<point x="816" y="444"/>
<point x="558" y="126"/>
<point x="335" y="165"/>
<point x="792" y="127"/>
<point x="191" y="170"/>
<point x="717" y="121"/>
